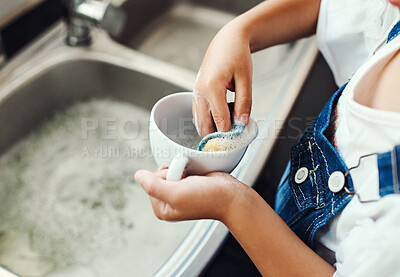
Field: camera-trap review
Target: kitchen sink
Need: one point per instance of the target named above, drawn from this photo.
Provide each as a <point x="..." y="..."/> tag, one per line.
<point x="69" y="81"/>
<point x="179" y="32"/>
<point x="38" y="94"/>
<point x="157" y="55"/>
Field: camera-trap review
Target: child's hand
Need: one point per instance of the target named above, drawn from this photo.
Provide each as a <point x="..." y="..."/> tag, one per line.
<point x="226" y="65"/>
<point x="194" y="197"/>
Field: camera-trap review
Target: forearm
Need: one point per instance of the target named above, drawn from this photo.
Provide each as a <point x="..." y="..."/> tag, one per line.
<point x="269" y="242"/>
<point x="278" y="21"/>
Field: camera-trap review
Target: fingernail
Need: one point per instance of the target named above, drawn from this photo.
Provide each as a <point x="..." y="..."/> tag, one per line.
<point x="244" y="118"/>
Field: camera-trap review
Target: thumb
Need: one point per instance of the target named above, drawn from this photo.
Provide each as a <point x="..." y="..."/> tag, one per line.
<point x="154" y="185"/>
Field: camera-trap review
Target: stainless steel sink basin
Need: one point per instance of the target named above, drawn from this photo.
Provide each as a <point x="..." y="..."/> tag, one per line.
<point x="178" y="32"/>
<point x="74" y="80"/>
<point x="49" y="76"/>
<point x="30" y="95"/>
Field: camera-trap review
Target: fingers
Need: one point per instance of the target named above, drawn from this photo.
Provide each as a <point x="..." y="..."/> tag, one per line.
<point x="195" y="197"/>
<point x="160" y="193"/>
<point x="155" y="184"/>
<point x="163" y="210"/>
<point x="219" y="114"/>
<point x="203" y="117"/>
<point x="220" y="110"/>
<point x="161" y="168"/>
<point x="215" y="99"/>
<point x="163" y="195"/>
<point x="243" y="96"/>
<point x="209" y="105"/>
<point x="161" y="172"/>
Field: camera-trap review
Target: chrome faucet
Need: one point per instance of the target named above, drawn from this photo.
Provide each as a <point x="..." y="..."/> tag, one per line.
<point x="83" y="14"/>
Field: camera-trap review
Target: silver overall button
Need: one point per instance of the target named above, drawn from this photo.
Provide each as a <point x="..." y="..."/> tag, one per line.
<point x="301" y="175"/>
<point x="336" y="181"/>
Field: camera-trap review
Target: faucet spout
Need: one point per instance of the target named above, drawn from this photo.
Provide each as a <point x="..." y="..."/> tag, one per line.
<point x="83" y="14"/>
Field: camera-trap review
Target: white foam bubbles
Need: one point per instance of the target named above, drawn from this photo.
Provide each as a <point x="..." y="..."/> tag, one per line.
<point x="68" y="200"/>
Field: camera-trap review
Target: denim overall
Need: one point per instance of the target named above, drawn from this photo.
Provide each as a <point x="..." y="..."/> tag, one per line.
<point x="304" y="200"/>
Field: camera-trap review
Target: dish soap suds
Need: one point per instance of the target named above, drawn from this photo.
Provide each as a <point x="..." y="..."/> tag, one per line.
<point x="69" y="205"/>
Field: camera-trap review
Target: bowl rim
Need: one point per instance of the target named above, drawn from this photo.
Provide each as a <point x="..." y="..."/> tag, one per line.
<point x="190" y="150"/>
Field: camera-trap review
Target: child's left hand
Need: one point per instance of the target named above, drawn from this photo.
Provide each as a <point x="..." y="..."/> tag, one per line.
<point x="193" y="197"/>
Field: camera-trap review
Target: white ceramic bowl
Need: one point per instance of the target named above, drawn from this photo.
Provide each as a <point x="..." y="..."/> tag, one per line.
<point x="171" y="113"/>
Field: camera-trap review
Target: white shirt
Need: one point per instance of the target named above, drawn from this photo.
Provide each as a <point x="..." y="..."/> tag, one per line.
<point x="350" y="31"/>
<point x="364" y="239"/>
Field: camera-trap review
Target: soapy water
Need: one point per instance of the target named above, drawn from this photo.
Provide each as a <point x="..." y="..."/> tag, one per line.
<point x="69" y="205"/>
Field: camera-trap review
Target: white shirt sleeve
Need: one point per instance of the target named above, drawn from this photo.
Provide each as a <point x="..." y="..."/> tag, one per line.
<point x="369" y="238"/>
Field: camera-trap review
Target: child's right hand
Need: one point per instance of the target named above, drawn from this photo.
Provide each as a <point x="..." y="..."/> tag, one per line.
<point x="226" y="65"/>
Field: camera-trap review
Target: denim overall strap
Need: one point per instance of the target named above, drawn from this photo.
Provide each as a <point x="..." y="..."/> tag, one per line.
<point x="304" y="199"/>
<point x="308" y="205"/>
<point x="389" y="171"/>
<point x="394" y="32"/>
